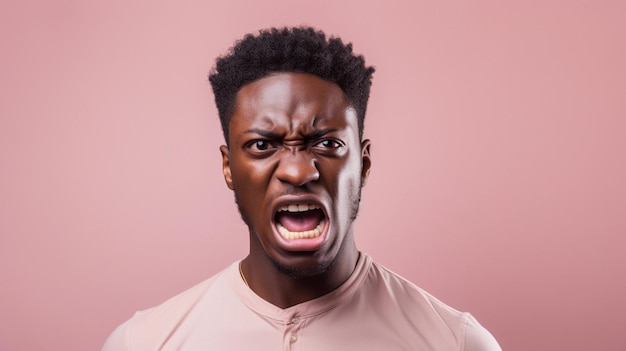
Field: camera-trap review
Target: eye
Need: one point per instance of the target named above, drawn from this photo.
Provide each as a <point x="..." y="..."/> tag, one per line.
<point x="260" y="146"/>
<point x="328" y="144"/>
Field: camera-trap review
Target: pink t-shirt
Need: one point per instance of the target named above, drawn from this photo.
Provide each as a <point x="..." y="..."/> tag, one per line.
<point x="375" y="309"/>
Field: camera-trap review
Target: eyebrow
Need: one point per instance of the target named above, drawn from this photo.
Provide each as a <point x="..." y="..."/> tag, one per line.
<point x="321" y="132"/>
<point x="265" y="133"/>
<point x="271" y="135"/>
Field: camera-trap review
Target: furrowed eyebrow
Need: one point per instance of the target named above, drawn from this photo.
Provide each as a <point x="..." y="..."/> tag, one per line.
<point x="264" y="133"/>
<point x="321" y="132"/>
<point x="271" y="135"/>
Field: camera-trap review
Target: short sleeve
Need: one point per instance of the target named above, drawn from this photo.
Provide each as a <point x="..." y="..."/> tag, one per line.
<point x="477" y="338"/>
<point x="118" y="340"/>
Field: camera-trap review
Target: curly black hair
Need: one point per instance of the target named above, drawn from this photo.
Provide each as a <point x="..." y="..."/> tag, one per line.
<point x="298" y="49"/>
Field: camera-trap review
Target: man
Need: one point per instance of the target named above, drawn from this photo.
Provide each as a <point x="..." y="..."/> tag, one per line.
<point x="292" y="104"/>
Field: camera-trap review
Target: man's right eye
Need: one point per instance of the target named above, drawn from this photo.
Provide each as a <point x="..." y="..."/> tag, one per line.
<point x="260" y="145"/>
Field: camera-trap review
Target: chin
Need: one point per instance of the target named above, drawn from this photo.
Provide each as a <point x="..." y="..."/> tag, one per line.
<point x="302" y="269"/>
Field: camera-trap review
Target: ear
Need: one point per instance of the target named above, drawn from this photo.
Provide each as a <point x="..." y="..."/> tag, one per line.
<point x="228" y="177"/>
<point x="366" y="161"/>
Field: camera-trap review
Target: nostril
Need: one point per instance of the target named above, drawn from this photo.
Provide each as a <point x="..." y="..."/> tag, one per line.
<point x="297" y="170"/>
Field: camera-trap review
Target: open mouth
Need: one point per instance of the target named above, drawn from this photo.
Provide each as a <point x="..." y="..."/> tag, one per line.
<point x="300" y="221"/>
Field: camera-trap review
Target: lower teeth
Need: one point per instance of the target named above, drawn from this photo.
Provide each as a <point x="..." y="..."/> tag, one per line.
<point x="308" y="234"/>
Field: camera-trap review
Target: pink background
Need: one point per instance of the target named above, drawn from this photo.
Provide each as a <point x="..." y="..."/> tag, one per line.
<point x="498" y="181"/>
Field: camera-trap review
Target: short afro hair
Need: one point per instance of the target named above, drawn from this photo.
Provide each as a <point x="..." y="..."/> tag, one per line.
<point x="298" y="49"/>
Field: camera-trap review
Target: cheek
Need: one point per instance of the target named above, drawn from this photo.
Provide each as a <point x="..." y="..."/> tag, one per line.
<point x="243" y="169"/>
<point x="243" y="178"/>
<point x="250" y="180"/>
<point x="347" y="183"/>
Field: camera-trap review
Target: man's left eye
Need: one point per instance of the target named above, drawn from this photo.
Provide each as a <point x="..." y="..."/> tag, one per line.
<point x="328" y="143"/>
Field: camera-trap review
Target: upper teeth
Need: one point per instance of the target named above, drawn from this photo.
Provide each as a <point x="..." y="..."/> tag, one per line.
<point x="298" y="207"/>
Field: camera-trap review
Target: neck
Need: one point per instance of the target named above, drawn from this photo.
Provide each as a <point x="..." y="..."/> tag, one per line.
<point x="286" y="289"/>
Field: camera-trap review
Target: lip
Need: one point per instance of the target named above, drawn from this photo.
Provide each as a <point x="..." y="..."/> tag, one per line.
<point x="310" y="244"/>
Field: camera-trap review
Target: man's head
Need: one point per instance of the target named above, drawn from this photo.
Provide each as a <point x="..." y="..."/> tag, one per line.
<point x="303" y="50"/>
<point x="292" y="107"/>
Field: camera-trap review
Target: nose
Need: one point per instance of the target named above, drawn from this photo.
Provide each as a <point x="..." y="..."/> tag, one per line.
<point x="297" y="168"/>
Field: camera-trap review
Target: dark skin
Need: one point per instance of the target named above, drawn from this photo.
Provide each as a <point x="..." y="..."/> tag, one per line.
<point x="294" y="140"/>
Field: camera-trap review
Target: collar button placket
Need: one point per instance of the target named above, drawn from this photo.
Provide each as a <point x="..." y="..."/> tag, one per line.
<point x="292" y="326"/>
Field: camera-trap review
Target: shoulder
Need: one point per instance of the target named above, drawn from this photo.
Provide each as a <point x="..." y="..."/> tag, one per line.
<point x="390" y="285"/>
<point x="140" y="331"/>
<point x="476" y="337"/>
<point x="425" y="312"/>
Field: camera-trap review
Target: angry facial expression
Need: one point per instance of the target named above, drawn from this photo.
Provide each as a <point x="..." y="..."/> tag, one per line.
<point x="296" y="165"/>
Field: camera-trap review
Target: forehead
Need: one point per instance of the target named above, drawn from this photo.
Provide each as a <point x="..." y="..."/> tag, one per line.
<point x="293" y="98"/>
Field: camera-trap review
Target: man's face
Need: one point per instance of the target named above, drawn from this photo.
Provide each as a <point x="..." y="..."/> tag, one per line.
<point x="296" y="166"/>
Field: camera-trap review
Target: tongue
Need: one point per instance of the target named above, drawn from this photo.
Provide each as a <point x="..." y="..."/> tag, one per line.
<point x="300" y="221"/>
